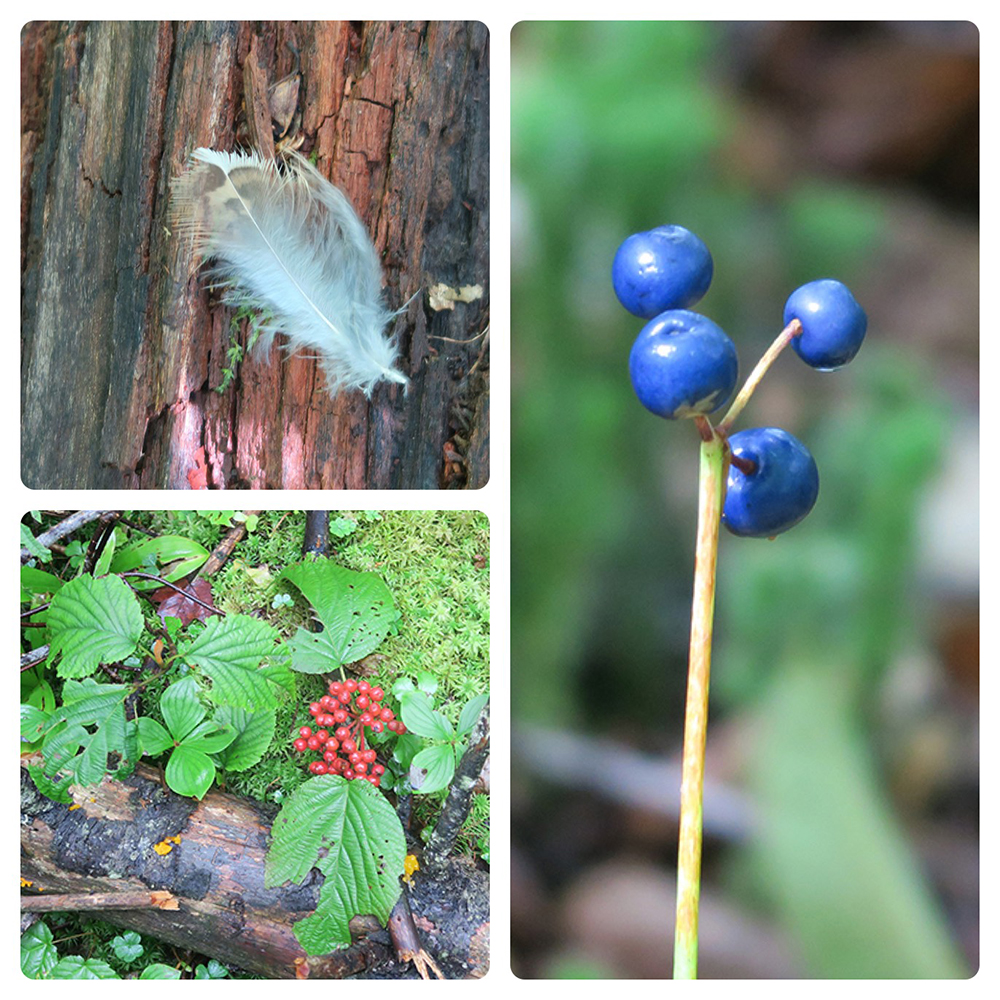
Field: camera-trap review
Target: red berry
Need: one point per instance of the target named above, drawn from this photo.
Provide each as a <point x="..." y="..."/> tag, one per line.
<point x="315" y="765"/>
<point x="321" y="768"/>
<point x="378" y="769"/>
<point x="365" y="718"/>
<point x="374" y="779"/>
<point x="314" y="708"/>
<point x="326" y="702"/>
<point x="355" y="758"/>
<point x="362" y="701"/>
<point x="351" y="685"/>
<point x="361" y="767"/>
<point x="329" y="756"/>
<point x="332" y="744"/>
<point x="364" y="687"/>
<point x="393" y="726"/>
<point x="314" y="743"/>
<point x="336" y="766"/>
<point x="344" y="697"/>
<point x="322" y="734"/>
<point x="400" y="728"/>
<point x="334" y="687"/>
<point x="348" y="746"/>
<point x="377" y="694"/>
<point x="387" y="715"/>
<point x="348" y="773"/>
<point x="306" y="732"/>
<point x="340" y="715"/>
<point x="300" y="744"/>
<point x="376" y="727"/>
<point x="342" y="733"/>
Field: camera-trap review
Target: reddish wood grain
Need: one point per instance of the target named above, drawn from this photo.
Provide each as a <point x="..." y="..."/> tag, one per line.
<point x="123" y="344"/>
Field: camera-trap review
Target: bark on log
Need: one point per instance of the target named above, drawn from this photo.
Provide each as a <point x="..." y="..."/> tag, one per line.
<point x="217" y="874"/>
<point x="123" y="346"/>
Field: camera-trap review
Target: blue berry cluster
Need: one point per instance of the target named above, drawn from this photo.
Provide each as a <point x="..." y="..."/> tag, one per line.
<point x="683" y="365"/>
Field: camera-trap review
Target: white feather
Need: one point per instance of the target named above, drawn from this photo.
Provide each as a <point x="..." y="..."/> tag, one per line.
<point x="287" y="242"/>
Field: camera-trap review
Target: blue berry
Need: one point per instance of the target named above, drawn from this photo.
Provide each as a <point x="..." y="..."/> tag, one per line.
<point x="665" y="268"/>
<point x="780" y="490"/>
<point x="682" y="365"/>
<point x="833" y="324"/>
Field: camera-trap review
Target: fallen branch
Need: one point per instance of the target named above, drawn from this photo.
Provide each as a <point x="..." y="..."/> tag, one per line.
<point x="128" y="899"/>
<point x="65" y="527"/>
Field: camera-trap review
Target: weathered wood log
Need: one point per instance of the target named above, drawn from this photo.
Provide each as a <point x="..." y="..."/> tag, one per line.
<point x="123" y="345"/>
<point x="216" y="871"/>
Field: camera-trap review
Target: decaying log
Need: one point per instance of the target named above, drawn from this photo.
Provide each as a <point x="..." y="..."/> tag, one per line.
<point x="216" y="871"/>
<point x="124" y="347"/>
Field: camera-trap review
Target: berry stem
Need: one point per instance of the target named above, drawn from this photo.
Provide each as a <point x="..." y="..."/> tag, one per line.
<point x="770" y="356"/>
<point x="711" y="489"/>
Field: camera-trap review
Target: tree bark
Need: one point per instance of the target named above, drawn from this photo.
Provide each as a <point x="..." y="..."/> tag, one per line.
<point x="216" y="871"/>
<point x="123" y="346"/>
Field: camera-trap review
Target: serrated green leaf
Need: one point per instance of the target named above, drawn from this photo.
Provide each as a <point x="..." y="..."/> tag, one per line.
<point x="432" y="769"/>
<point x="92" y="621"/>
<point x="189" y="772"/>
<point x="470" y="712"/>
<point x="75" y="967"/>
<point x="58" y="791"/>
<point x="313" y="652"/>
<point x="419" y="717"/>
<point x="350" y="832"/>
<point x="87" y="703"/>
<point x="254" y="732"/>
<point x="182" y="710"/>
<point x="230" y="652"/>
<point x="92" y="763"/>
<point x="356" y="609"/>
<point x="153" y="738"/>
<point x="38" y="951"/>
<point x="160" y="971"/>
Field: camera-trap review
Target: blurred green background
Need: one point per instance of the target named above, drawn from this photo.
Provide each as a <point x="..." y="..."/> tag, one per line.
<point x="845" y="678"/>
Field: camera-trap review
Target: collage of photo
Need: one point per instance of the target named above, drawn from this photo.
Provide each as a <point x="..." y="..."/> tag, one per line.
<point x="705" y="580"/>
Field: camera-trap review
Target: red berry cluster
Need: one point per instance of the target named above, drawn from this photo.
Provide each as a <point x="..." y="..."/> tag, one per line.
<point x="342" y="717"/>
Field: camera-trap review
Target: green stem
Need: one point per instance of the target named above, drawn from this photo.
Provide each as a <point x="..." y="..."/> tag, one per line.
<point x="711" y="487"/>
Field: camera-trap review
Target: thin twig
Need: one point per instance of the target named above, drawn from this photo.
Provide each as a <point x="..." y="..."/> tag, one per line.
<point x="172" y="586"/>
<point x="65" y="527"/>
<point x="33" y="656"/>
<point x="126" y="899"/>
